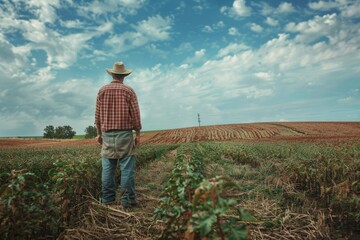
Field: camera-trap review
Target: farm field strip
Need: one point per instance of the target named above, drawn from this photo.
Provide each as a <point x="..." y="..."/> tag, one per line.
<point x="278" y="189"/>
<point x="286" y="131"/>
<point x="194" y="206"/>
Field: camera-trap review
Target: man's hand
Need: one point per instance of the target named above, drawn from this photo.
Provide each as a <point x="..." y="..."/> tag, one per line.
<point x="137" y="140"/>
<point x="99" y="139"/>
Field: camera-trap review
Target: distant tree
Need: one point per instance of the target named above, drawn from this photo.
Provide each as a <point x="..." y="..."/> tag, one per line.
<point x="64" y="132"/>
<point x="61" y="132"/>
<point x="49" y="131"/>
<point x="90" y="132"/>
<point x="68" y="132"/>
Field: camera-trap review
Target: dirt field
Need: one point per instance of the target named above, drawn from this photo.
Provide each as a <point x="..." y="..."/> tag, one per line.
<point x="327" y="132"/>
<point x="32" y="142"/>
<point x="331" y="132"/>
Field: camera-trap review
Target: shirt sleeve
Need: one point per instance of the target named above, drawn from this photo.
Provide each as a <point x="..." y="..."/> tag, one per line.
<point x="97" y="110"/>
<point x="135" y="112"/>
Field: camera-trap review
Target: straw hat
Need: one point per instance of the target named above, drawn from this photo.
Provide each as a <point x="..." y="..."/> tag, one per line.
<point x="119" y="68"/>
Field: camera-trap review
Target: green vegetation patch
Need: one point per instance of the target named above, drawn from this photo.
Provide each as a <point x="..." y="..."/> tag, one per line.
<point x="292" y="190"/>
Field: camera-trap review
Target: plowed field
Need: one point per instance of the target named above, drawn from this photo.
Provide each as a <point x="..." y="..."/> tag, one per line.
<point x="328" y="132"/>
<point x="333" y="132"/>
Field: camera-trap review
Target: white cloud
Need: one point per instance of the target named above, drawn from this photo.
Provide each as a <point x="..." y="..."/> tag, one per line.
<point x="256" y="28"/>
<point x="181" y="6"/>
<point x="184" y="47"/>
<point x="184" y="66"/>
<point x="155" y="28"/>
<point x="345" y="100"/>
<point x="232" y="49"/>
<point x="233" y="31"/>
<point x="72" y="23"/>
<point x="316" y="51"/>
<point x="198" y="55"/>
<point x="285" y="7"/>
<point x="13" y="60"/>
<point x="220" y="24"/>
<point x="41" y="76"/>
<point x="348" y="8"/>
<point x="45" y="10"/>
<point x="97" y="7"/>
<point x="155" y="50"/>
<point x="314" y="28"/>
<point x="254" y="92"/>
<point x="61" y="50"/>
<point x="200" y="5"/>
<point x="266" y="76"/>
<point x="352" y="10"/>
<point x="272" y="22"/>
<point x="213" y="27"/>
<point x="33" y="97"/>
<point x="207" y="29"/>
<point x="324" y="6"/>
<point x="238" y="9"/>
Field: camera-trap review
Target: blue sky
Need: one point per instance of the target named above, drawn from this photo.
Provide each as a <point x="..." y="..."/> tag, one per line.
<point x="231" y="61"/>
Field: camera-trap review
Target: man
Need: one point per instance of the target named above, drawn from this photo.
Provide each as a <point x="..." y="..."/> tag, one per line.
<point x="117" y="114"/>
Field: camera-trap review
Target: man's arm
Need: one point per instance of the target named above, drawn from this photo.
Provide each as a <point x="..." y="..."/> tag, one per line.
<point x="97" y="121"/>
<point x="98" y="136"/>
<point x="135" y="113"/>
<point x="137" y="138"/>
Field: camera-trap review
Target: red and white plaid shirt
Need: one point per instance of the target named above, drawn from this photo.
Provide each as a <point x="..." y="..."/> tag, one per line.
<point x="117" y="108"/>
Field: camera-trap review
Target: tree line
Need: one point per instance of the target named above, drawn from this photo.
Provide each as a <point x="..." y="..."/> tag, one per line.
<point x="66" y="132"/>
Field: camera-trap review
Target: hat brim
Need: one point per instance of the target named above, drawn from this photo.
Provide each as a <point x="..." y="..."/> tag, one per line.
<point x="125" y="73"/>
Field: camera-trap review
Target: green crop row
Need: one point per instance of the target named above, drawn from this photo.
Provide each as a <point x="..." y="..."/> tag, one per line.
<point x="44" y="190"/>
<point x="307" y="176"/>
<point x="193" y="206"/>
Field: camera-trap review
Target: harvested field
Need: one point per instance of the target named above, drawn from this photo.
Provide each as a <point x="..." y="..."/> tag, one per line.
<point x="39" y="142"/>
<point x="33" y="142"/>
<point x="275" y="186"/>
<point x="327" y="132"/>
<point x="332" y="132"/>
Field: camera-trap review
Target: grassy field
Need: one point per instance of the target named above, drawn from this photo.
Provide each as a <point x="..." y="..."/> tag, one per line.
<point x="207" y="189"/>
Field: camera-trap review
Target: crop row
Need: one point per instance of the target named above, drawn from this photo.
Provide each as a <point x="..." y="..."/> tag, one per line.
<point x="43" y="191"/>
<point x="215" y="133"/>
<point x="305" y="177"/>
<point x="193" y="206"/>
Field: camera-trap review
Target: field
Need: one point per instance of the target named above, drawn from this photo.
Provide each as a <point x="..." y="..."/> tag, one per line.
<point x="288" y="180"/>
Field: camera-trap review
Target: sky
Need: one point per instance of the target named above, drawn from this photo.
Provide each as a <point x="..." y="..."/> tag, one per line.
<point x="231" y="61"/>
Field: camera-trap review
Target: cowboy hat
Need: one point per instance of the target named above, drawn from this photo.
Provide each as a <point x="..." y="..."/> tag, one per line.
<point x="119" y="68"/>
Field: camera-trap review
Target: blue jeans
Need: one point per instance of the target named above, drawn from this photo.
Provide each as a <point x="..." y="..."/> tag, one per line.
<point x="127" y="170"/>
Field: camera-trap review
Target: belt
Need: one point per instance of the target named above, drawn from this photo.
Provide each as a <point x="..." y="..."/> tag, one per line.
<point x="116" y="130"/>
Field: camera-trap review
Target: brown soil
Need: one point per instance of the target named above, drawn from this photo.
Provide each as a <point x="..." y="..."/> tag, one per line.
<point x="322" y="132"/>
<point x="319" y="132"/>
<point x="33" y="142"/>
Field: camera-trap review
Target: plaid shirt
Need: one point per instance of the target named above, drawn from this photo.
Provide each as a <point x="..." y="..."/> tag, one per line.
<point x="117" y="108"/>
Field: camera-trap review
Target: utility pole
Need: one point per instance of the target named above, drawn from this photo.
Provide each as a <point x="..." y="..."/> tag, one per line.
<point x="199" y="119"/>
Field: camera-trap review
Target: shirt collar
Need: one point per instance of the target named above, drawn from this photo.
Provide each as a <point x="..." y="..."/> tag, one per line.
<point x="115" y="81"/>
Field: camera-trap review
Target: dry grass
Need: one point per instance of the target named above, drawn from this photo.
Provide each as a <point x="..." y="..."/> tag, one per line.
<point x="257" y="193"/>
<point x="272" y="220"/>
<point x="115" y="222"/>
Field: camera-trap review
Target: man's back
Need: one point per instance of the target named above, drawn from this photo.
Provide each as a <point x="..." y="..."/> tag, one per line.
<point x="117" y="114"/>
<point x="117" y="107"/>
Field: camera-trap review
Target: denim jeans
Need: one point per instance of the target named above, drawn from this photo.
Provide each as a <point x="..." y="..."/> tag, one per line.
<point x="127" y="182"/>
<point x="118" y="146"/>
